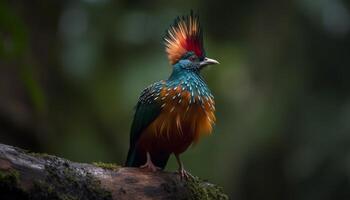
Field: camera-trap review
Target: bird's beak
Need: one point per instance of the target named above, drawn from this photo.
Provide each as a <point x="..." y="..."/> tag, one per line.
<point x="208" y="61"/>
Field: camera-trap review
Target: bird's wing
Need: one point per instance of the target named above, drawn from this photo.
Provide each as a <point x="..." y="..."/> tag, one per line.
<point x="147" y="110"/>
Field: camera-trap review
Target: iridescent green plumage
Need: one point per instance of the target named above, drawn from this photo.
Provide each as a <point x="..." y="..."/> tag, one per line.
<point x="147" y="109"/>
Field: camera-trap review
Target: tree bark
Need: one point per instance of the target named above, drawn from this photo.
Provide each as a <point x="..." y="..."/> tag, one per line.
<point x="26" y="175"/>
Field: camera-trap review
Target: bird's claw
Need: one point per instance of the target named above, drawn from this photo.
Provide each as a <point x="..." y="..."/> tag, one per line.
<point x="149" y="166"/>
<point x="185" y="175"/>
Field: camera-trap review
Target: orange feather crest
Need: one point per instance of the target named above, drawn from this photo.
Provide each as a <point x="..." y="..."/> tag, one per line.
<point x="183" y="36"/>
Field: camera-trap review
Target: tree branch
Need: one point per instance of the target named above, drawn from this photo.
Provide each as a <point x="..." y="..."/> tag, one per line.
<point x="25" y="175"/>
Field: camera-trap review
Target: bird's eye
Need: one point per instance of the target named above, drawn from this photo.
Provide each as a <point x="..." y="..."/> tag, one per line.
<point x="192" y="58"/>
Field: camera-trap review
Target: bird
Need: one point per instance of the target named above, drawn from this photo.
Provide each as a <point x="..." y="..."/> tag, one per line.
<point x="175" y="113"/>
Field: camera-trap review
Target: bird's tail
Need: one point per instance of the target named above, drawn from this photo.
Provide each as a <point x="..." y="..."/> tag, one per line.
<point x="136" y="158"/>
<point x="133" y="159"/>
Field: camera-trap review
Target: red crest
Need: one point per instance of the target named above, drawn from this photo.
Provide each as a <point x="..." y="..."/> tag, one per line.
<point x="183" y="36"/>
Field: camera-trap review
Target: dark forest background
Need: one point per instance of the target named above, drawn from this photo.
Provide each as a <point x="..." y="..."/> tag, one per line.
<point x="71" y="73"/>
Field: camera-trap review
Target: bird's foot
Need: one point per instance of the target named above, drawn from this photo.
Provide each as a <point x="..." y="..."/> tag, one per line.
<point x="149" y="166"/>
<point x="185" y="174"/>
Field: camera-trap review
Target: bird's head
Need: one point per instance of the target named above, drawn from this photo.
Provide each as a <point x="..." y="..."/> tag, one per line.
<point x="184" y="44"/>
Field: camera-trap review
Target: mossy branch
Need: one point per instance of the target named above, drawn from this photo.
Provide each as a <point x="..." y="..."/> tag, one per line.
<point x="25" y="175"/>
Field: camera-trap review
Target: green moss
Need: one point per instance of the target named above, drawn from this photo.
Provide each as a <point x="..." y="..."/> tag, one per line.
<point x="9" y="178"/>
<point x="62" y="182"/>
<point x="9" y="185"/>
<point x="42" y="190"/>
<point x="200" y="189"/>
<point x="109" y="166"/>
<point x="66" y="182"/>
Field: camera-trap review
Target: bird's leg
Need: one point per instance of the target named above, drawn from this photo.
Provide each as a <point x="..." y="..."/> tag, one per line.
<point x="149" y="164"/>
<point x="182" y="172"/>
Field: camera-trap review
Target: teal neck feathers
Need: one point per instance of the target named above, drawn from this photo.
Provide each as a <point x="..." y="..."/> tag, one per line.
<point x="188" y="77"/>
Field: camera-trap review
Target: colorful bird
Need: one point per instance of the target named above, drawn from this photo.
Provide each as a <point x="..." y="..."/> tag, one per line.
<point x="172" y="114"/>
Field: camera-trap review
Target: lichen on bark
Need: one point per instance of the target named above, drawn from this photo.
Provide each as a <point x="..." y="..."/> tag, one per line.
<point x="64" y="181"/>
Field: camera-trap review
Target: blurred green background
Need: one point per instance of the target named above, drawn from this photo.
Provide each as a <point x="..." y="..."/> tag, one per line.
<point x="71" y="73"/>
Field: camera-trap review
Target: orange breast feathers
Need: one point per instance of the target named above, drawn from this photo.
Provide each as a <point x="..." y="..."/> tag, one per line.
<point x="183" y="117"/>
